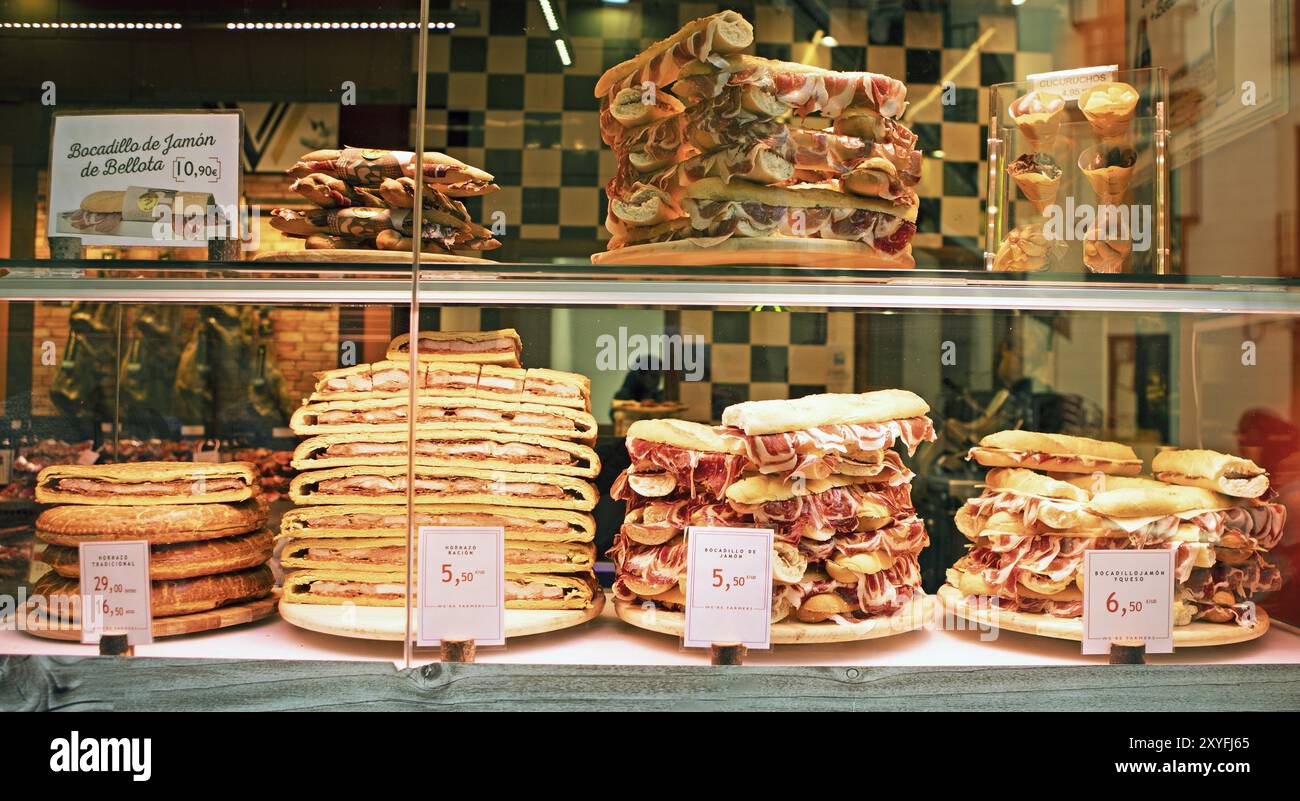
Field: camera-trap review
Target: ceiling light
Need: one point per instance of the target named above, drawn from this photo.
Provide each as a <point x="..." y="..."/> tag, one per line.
<point x="564" y="53"/>
<point x="830" y="41"/>
<point x="549" y="13"/>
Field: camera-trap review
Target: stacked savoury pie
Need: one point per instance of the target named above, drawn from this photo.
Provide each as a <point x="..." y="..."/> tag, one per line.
<point x="715" y="146"/>
<point x="205" y="524"/>
<point x="1051" y="497"/>
<point x="496" y="445"/>
<point x="820" y="471"/>
<point x="364" y="199"/>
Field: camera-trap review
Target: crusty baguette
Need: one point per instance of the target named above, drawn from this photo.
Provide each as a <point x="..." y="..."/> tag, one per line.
<point x="645" y="206"/>
<point x="1055" y="453"/>
<point x="685" y="434"/>
<point x="810" y="411"/>
<point x="661" y="63"/>
<point x="1220" y="472"/>
<point x="798" y="197"/>
<point x="631" y="110"/>
<point x="1149" y="501"/>
<point x="972" y="584"/>
<point x="1027" y="482"/>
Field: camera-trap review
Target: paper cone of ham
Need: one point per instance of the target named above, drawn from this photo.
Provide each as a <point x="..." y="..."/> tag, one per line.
<point x="1038" y="188"/>
<point x="1037" y="116"/>
<point x="1024" y="250"/>
<point x="1107" y="247"/>
<point x="1109" y="171"/>
<point x="1109" y="108"/>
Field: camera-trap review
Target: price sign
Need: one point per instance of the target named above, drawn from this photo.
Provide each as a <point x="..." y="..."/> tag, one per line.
<point x="728" y="587"/>
<point x="462" y="587"/>
<point x="1069" y="84"/>
<point x="115" y="591"/>
<point x="1128" y="596"/>
<point x="159" y="179"/>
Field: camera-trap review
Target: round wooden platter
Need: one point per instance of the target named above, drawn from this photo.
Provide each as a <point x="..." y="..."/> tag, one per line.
<point x="362" y="257"/>
<point x="910" y="618"/>
<point x="220" y="618"/>
<point x="1192" y="635"/>
<point x="385" y="622"/>
<point x="739" y="251"/>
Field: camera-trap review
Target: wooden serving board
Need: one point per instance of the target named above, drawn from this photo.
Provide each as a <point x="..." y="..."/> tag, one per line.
<point x="1065" y="628"/>
<point x="909" y="618"/>
<point x="220" y="618"/>
<point x="740" y="251"/>
<point x="385" y="622"/>
<point x="362" y="257"/>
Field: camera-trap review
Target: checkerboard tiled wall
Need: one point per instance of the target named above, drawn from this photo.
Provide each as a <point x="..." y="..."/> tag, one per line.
<point x="499" y="96"/>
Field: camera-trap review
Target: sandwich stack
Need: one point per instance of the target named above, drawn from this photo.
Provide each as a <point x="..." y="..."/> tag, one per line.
<point x="724" y="157"/>
<point x="364" y="199"/>
<point x="820" y="471"/>
<point x="497" y="445"/>
<point x="205" y="523"/>
<point x="1052" y="497"/>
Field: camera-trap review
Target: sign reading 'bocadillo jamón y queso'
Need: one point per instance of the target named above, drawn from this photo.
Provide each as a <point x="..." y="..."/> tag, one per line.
<point x="166" y="179"/>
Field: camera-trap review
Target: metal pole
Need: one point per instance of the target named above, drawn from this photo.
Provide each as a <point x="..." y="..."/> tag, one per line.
<point x="417" y="234"/>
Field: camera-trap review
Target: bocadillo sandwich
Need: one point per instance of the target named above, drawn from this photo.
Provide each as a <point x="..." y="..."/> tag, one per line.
<point x="1056" y="453"/>
<point x="147" y="483"/>
<point x="488" y="450"/>
<point x="373" y="521"/>
<point x="436" y="414"/>
<point x="819" y="435"/>
<point x="368" y="588"/>
<point x="437" y="485"/>
<point x="482" y="347"/>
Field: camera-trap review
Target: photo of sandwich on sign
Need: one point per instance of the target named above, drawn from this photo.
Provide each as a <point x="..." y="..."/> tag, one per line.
<point x="137" y="212"/>
<point x="151" y="179"/>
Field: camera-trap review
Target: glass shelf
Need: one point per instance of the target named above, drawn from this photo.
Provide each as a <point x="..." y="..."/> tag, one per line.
<point x="576" y="283"/>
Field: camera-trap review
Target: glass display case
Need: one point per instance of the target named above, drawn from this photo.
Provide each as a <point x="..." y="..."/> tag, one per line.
<point x="739" y="279"/>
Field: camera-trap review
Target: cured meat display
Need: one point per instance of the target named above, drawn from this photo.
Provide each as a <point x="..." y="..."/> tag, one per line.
<point x="713" y="144"/>
<point x="819" y="471"/>
<point x="363" y="199"/>
<point x="496" y="445"/>
<point x="1029" y="530"/>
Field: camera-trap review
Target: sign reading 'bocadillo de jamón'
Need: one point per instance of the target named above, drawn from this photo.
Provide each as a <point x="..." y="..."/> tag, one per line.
<point x="162" y="179"/>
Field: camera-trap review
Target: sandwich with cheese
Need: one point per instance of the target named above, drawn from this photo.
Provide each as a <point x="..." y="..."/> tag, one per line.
<point x="1056" y="453"/>
<point x="1220" y="472"/>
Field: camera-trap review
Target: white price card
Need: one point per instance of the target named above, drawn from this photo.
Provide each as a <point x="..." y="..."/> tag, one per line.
<point x="1128" y="595"/>
<point x="115" y="591"/>
<point x="145" y="178"/>
<point x="461" y="585"/>
<point x="1069" y="84"/>
<point x="728" y="587"/>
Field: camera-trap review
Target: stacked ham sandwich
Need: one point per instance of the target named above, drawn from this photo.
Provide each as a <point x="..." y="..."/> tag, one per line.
<point x="364" y="199"/>
<point x="496" y="446"/>
<point x="1029" y="529"/>
<point x="714" y="145"/>
<point x="820" y="471"/>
